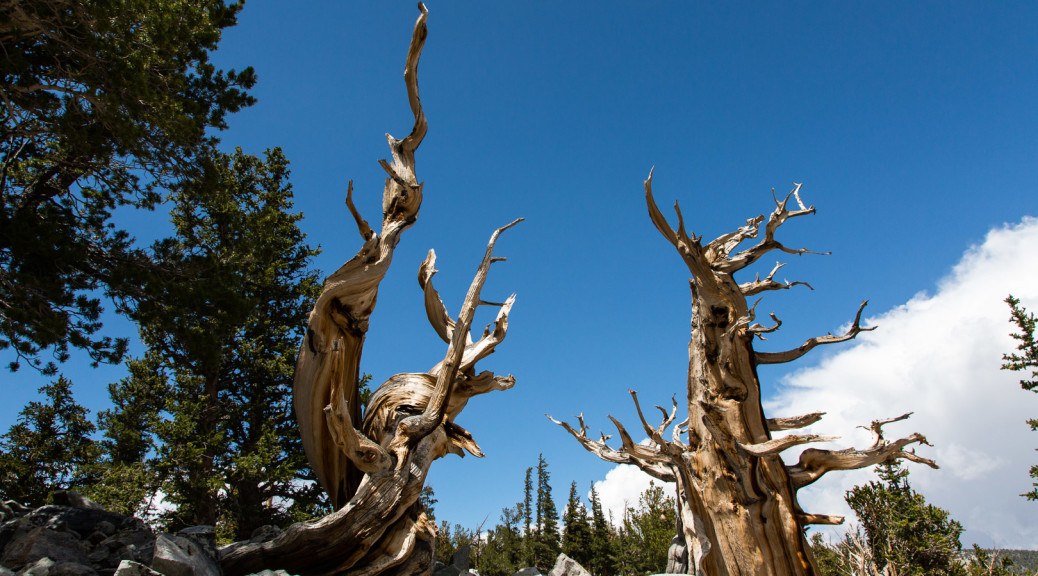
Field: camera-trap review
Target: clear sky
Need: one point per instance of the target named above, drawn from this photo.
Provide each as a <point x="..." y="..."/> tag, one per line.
<point x="912" y="126"/>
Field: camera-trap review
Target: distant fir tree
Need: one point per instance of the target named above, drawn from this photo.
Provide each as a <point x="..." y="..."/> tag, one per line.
<point x="527" y="529"/>
<point x="1025" y="359"/>
<point x="602" y="562"/>
<point x="49" y="447"/>
<point x="576" y="529"/>
<point x="224" y="326"/>
<point x="546" y="545"/>
<point x="503" y="551"/>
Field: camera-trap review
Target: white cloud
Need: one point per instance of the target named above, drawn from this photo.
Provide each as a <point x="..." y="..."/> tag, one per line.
<point x="939" y="357"/>
<point x="621" y="488"/>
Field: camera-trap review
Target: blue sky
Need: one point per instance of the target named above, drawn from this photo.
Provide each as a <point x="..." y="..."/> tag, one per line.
<point x="911" y="125"/>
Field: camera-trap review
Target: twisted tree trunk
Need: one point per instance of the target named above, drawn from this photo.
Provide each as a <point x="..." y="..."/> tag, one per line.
<point x="375" y="474"/>
<point x="738" y="510"/>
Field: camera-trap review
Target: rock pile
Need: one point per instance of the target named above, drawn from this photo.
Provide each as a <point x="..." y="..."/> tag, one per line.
<point x="76" y="537"/>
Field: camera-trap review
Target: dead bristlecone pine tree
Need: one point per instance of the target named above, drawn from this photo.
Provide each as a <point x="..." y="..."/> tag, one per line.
<point x="737" y="501"/>
<point x="373" y="463"/>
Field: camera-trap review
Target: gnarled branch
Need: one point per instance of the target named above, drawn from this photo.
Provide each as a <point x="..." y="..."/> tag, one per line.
<point x="790" y="355"/>
<point x="769" y="283"/>
<point x="814" y="463"/>
<point x="794" y="422"/>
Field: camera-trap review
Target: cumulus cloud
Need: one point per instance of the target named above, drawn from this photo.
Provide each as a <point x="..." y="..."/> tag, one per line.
<point x="621" y="488"/>
<point x="938" y="356"/>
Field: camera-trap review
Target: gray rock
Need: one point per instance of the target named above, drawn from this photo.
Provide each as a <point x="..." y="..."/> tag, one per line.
<point x="13" y="530"/>
<point x="131" y="568"/>
<point x="9" y="510"/>
<point x="5" y="571"/>
<point x="74" y="499"/>
<point x="40" y="567"/>
<point x="80" y="520"/>
<point x="71" y="569"/>
<point x="271" y="573"/>
<point x="105" y="527"/>
<point x="179" y="556"/>
<point x="133" y="545"/>
<point x="460" y="559"/>
<point x="566" y="566"/>
<point x="531" y="571"/>
<point x="204" y="536"/>
<point x="43" y="543"/>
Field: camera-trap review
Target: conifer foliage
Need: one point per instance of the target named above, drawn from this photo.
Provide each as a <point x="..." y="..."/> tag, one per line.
<point x="1026" y="358"/>
<point x="48" y="447"/>
<point x="106" y="102"/>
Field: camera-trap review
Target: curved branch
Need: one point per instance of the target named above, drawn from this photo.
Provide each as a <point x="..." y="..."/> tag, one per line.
<point x="654" y="466"/>
<point x="790" y="355"/>
<point x="794" y="422"/>
<point x="804" y="519"/>
<point x="362" y="225"/>
<point x="417" y="427"/>
<point x="778" y="445"/>
<point x="777" y="218"/>
<point x="769" y="283"/>
<point x="438" y="316"/>
<point x="814" y="463"/>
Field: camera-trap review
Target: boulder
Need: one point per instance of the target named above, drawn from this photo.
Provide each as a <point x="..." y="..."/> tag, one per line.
<point x="530" y="571"/>
<point x="131" y="568"/>
<point x="74" y="499"/>
<point x="566" y="566"/>
<point x="43" y="542"/>
<point x="180" y="556"/>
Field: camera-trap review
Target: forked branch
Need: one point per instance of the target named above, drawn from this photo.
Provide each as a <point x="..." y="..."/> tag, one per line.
<point x="814" y="463"/>
<point x="722" y="246"/>
<point x="790" y="355"/>
<point x="769" y="283"/>
<point x="417" y="427"/>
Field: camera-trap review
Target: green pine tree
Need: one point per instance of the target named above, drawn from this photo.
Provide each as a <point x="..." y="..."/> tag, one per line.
<point x="224" y="323"/>
<point x="576" y="529"/>
<point x="901" y="529"/>
<point x="130" y="97"/>
<point x="528" y="529"/>
<point x="1026" y="359"/>
<point x="602" y="562"/>
<point x="49" y="447"/>
<point x="546" y="546"/>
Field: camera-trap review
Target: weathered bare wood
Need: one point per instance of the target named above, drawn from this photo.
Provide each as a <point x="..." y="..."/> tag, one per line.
<point x="810" y="344"/>
<point x="374" y="472"/>
<point x="795" y="422"/>
<point x="736" y="497"/>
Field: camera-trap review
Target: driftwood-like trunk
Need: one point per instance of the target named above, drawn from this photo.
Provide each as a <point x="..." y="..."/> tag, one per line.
<point x="737" y="504"/>
<point x="374" y="474"/>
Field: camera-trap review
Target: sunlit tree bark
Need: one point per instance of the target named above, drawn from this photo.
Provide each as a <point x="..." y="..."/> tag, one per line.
<point x="373" y="465"/>
<point x="738" y="511"/>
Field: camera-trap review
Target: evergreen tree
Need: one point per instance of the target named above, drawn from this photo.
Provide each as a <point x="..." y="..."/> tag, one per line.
<point x="48" y="448"/>
<point x="901" y="529"/>
<point x="647" y="531"/>
<point x="601" y="563"/>
<point x="105" y="103"/>
<point x="546" y="532"/>
<point x="224" y="324"/>
<point x="129" y="482"/>
<point x="576" y="530"/>
<point x="1026" y="359"/>
<point x="527" y="529"/>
